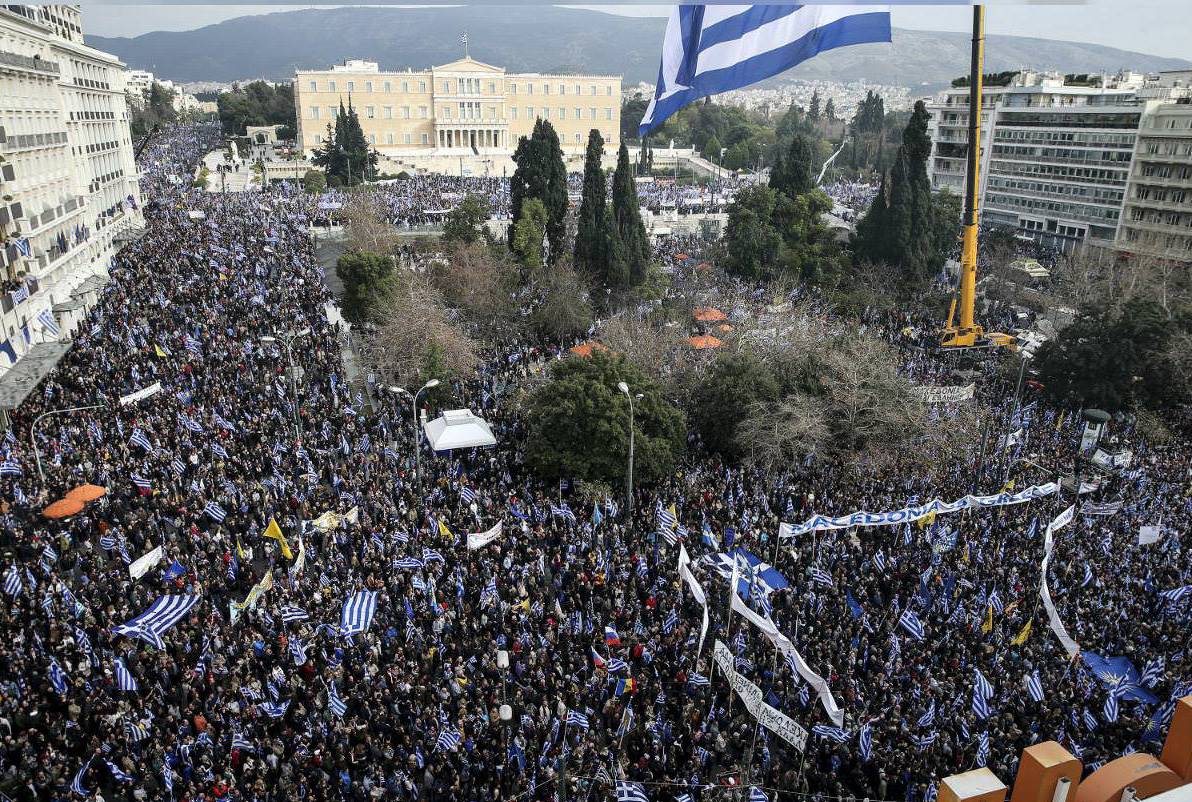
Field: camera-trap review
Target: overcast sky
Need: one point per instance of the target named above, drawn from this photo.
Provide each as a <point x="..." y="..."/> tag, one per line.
<point x="1158" y="27"/>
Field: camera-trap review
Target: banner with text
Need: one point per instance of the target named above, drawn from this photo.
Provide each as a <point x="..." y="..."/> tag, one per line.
<point x="944" y="395"/>
<point x="768" y="716"/>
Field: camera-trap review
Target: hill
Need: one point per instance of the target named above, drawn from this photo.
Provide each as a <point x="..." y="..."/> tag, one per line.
<point x="551" y="39"/>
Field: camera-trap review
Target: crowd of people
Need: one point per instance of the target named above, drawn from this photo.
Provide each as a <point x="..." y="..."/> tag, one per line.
<point x="333" y="636"/>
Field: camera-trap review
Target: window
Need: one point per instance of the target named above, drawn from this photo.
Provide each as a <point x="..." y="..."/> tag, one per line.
<point x="388" y="112"/>
<point x="446" y="112"/>
<point x="372" y="139"/>
<point x="351" y="86"/>
<point x="333" y="112"/>
<point x="578" y="90"/>
<point x="446" y="87"/>
<point x="562" y="89"/>
<point x="592" y="113"/>
<point x="608" y="90"/>
<point x="513" y="112"/>
<point x="406" y="139"/>
<point x="546" y="89"/>
<point x="529" y="89"/>
<point x="593" y="90"/>
<point x="370" y="112"/>
<point x="422" y="86"/>
<point x="405" y="112"/>
<point x="318" y="139"/>
<point x="331" y="86"/>
<point x="388" y="139"/>
<point x="426" y="139"/>
<point x="405" y="87"/>
<point x="368" y="86"/>
<point x="529" y="112"/>
<point x="314" y="112"/>
<point x="388" y="87"/>
<point x="545" y="113"/>
<point x="562" y="113"/>
<point x="513" y="89"/>
<point x="577" y="139"/>
<point x="608" y="114"/>
<point x="314" y="86"/>
<point x="422" y="112"/>
<point x="579" y="114"/>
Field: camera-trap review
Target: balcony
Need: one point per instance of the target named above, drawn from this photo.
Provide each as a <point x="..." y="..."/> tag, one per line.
<point x="29" y="63"/>
<point x="52" y="139"/>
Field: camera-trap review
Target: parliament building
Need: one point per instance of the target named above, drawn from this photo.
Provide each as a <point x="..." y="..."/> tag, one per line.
<point x="465" y="108"/>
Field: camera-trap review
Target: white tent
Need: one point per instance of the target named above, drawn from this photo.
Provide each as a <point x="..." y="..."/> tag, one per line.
<point x="458" y="428"/>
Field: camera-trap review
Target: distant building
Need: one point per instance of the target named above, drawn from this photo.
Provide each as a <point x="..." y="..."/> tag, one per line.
<point x="67" y="179"/>
<point x="1056" y="158"/>
<point x="457" y="109"/>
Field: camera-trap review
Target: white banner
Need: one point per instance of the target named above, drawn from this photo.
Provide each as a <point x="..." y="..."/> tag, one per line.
<point x="1057" y="626"/>
<point x="784" y="645"/>
<point x="768" y="716"/>
<point x="944" y="395"/>
<point x="478" y="540"/>
<point x="907" y="514"/>
<point x="140" y="395"/>
<point x="1149" y="534"/>
<point x="697" y="591"/>
<point x="141" y="565"/>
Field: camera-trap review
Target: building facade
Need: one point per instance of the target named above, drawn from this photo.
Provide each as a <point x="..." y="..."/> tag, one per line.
<point x="68" y="182"/>
<point x="465" y="107"/>
<point x="1057" y="159"/>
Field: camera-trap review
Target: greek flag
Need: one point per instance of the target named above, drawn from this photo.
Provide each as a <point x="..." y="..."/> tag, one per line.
<point x="338" y="706"/>
<point x="757" y="795"/>
<point x="150" y="625"/>
<point x="708" y="50"/>
<point x="76" y="785"/>
<point x="1153" y="672"/>
<point x="297" y="652"/>
<point x="448" y="740"/>
<point x="821" y="577"/>
<point x="358" y="612"/>
<point x="139" y="439"/>
<point x="141" y="482"/>
<point x="631" y="792"/>
<point x="46" y="318"/>
<point x="911" y="623"/>
<point x="58" y="676"/>
<point x="242" y="743"/>
<point x="577" y="719"/>
<point x="865" y="742"/>
<point x="467" y="494"/>
<point x="12" y="582"/>
<point x="1034" y="687"/>
<point x="120" y="776"/>
<point x="274" y="710"/>
<point x="215" y="512"/>
<point x="1176" y="594"/>
<point x="291" y="614"/>
<point x="124" y="678"/>
<point x="672" y="619"/>
<point x="1110" y="711"/>
<point x="983" y="749"/>
<point x="10" y="468"/>
<point x="136" y="731"/>
<point x="928" y="718"/>
<point x="831" y="733"/>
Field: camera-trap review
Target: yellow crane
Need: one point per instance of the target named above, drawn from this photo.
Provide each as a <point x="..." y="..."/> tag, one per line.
<point x="968" y="333"/>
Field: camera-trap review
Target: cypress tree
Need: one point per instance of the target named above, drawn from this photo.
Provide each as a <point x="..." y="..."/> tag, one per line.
<point x="591" y="247"/>
<point x="540" y="173"/>
<point x="792" y="176"/>
<point x="627" y="217"/>
<point x="899" y="212"/>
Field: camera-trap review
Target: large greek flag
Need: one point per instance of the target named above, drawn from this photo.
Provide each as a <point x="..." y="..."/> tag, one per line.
<point x="358" y="612"/>
<point x="150" y="625"/>
<point x="712" y="49"/>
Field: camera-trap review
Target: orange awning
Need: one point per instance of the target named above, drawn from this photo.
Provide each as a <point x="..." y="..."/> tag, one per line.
<point x="87" y="493"/>
<point x="708" y="314"/>
<point x="63" y="508"/>
<point x="681" y="257"/>
<point x="704" y="342"/>
<point x="586" y="349"/>
<point x="725" y="327"/>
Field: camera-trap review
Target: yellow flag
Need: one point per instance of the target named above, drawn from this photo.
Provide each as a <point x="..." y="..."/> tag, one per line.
<point x="1059" y="423"/>
<point x="524" y="604"/>
<point x="987" y="627"/>
<point x="926" y="520"/>
<point x="1021" y="637"/>
<point x="239" y="549"/>
<point x="1008" y="486"/>
<point x="965" y="556"/>
<point x="159" y="351"/>
<point x="444" y="532"/>
<point x="273" y="531"/>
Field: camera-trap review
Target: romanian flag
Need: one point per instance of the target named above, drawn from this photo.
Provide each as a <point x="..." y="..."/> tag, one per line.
<point x="624" y="686"/>
<point x="1021" y="637"/>
<point x="273" y="531"/>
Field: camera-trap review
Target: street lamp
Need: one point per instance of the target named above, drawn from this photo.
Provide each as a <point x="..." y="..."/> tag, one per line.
<point x="414" y="398"/>
<point x="623" y="387"/>
<point x="288" y="343"/>
<point x="33" y="432"/>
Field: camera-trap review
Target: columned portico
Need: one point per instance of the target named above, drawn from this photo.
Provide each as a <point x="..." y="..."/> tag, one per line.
<point x="466" y="136"/>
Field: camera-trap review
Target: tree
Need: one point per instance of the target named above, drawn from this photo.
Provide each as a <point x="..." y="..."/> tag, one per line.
<point x="529" y="232"/>
<point x="813" y="110"/>
<point x="631" y="245"/>
<point x="314" y="181"/>
<point x="366" y="278"/>
<point x="591" y="231"/>
<point x="712" y="149"/>
<point x="153" y="108"/>
<point x="562" y="308"/>
<point x="481" y="280"/>
<point x="465" y="223"/>
<point x="257" y="103"/>
<point x="752" y="243"/>
<point x="830" y="111"/>
<point x="540" y="174"/>
<point x="734" y="382"/>
<point x="737" y="157"/>
<point x="345" y="155"/>
<point x="579" y="423"/>
<point x="793" y="175"/>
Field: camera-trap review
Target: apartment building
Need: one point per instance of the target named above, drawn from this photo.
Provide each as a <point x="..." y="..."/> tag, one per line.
<point x="465" y="107"/>
<point x="68" y="183"/>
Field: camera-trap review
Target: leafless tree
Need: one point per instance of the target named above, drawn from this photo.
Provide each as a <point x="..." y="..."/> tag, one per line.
<point x="483" y="286"/>
<point x="366" y="226"/>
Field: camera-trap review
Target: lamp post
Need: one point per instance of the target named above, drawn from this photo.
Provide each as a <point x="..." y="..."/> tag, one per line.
<point x="623" y="387"/>
<point x="33" y="432"/>
<point x="417" y="443"/>
<point x="288" y="343"/>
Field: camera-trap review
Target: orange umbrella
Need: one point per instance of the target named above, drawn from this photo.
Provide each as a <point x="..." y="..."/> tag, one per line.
<point x="63" y="508"/>
<point x="586" y="349"/>
<point x="681" y="257"/>
<point x="708" y="314"/>
<point x="725" y="327"/>
<point x="704" y="342"/>
<point x="85" y="493"/>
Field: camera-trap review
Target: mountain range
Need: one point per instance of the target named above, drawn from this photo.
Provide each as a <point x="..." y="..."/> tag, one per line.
<point x="553" y="39"/>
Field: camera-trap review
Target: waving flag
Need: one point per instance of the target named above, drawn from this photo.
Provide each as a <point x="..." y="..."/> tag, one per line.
<point x="150" y="625"/>
<point x="358" y="612"/>
<point x="337" y="705"/>
<point x="711" y="49"/>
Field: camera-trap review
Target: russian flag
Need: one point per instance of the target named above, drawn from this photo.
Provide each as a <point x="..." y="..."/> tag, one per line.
<point x="597" y="660"/>
<point x="611" y="638"/>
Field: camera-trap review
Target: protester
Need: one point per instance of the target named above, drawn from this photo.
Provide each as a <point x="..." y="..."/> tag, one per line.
<point x="268" y="688"/>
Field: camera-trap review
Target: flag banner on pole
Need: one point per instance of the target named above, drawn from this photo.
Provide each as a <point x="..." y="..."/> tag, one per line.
<point x="697" y="591"/>
<point x="760" y="575"/>
<point x="712" y="49"/>
<point x="768" y="716"/>
<point x="141" y="565"/>
<point x="478" y="540"/>
<point x="1057" y="626"/>
<point x="908" y="514"/>
<point x="140" y="395"/>
<point x="150" y="625"/>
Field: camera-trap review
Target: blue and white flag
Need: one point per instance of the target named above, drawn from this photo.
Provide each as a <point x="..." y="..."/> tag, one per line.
<point x="290" y="614"/>
<point x="1034" y="686"/>
<point x="831" y="733"/>
<point x="215" y="512"/>
<point x="337" y="705"/>
<point x="712" y="49"/>
<point x="577" y="719"/>
<point x="139" y="439"/>
<point x="58" y="677"/>
<point x="124" y="678"/>
<point x="631" y="792"/>
<point x="76" y="785"/>
<point x="754" y="573"/>
<point x="358" y="612"/>
<point x="150" y="625"/>
<point x="274" y="710"/>
<point x="448" y="740"/>
<point x="911" y="623"/>
<point x="757" y="795"/>
<point x="46" y="318"/>
<point x="865" y="742"/>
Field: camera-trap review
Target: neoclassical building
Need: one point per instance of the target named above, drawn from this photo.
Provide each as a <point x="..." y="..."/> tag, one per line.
<point x="465" y="107"/>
